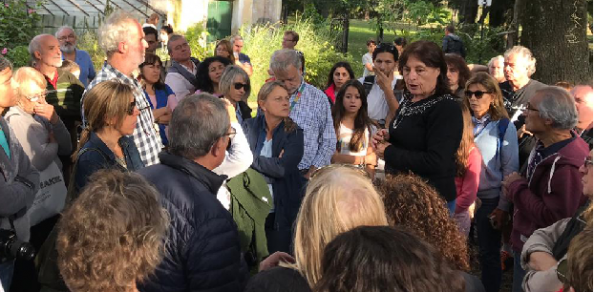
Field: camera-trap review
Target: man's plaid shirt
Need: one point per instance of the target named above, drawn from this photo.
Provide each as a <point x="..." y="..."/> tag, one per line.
<point x="145" y="136"/>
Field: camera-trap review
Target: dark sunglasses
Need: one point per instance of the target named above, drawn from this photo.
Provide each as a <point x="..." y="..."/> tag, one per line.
<point x="386" y="46"/>
<point x="131" y="107"/>
<point x="239" y="85"/>
<point x="478" y="94"/>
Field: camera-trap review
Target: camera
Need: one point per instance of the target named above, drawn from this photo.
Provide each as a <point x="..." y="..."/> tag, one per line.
<point x="13" y="248"/>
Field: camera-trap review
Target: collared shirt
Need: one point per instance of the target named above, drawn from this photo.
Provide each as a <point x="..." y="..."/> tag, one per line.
<point x="312" y="113"/>
<point x="179" y="84"/>
<point x="541" y="152"/>
<point x="87" y="71"/>
<point x="145" y="136"/>
<point x="377" y="106"/>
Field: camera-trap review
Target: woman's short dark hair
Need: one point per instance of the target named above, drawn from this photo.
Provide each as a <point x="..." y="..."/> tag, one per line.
<point x="344" y="65"/>
<point x="204" y="81"/>
<point x="382" y="258"/>
<point x="458" y="63"/>
<point x="431" y="55"/>
<point x="385" y="48"/>
<point x="152" y="59"/>
<point x="400" y="41"/>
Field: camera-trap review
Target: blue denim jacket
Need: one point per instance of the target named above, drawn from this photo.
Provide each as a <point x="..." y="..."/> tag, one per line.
<point x="95" y="155"/>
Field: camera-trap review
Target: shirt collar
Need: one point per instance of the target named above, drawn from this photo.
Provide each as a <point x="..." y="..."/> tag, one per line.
<point x="483" y="120"/>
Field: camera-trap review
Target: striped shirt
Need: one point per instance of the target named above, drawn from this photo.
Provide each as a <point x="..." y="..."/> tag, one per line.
<point x="145" y="135"/>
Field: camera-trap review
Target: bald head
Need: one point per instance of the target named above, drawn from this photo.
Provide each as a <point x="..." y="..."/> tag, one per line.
<point x="584" y="99"/>
<point x="45" y="50"/>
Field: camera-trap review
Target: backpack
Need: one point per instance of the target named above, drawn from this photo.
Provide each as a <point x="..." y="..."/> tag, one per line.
<point x="398" y="88"/>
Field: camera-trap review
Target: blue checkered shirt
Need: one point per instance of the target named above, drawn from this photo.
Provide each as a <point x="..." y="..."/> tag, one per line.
<point x="312" y="114"/>
<point x="145" y="136"/>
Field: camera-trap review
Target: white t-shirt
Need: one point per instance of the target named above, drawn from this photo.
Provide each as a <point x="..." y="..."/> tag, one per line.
<point x="344" y="140"/>
<point x="377" y="106"/>
<point x="367" y="58"/>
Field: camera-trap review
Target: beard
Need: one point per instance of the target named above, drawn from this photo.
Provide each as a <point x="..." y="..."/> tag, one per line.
<point x="68" y="47"/>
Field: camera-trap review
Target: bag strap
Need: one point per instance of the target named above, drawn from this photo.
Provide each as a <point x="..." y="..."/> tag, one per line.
<point x="502" y="128"/>
<point x="368" y="83"/>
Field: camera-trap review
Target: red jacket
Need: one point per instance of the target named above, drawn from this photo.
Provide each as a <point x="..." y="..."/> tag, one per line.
<point x="331" y="92"/>
<point x="554" y="192"/>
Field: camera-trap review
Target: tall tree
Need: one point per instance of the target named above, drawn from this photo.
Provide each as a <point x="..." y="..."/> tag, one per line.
<point x="555" y="31"/>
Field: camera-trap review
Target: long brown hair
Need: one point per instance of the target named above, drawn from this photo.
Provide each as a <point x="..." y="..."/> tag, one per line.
<point x="412" y="203"/>
<point x="362" y="120"/>
<point x="467" y="142"/>
<point x="496" y="110"/>
<point x="107" y="100"/>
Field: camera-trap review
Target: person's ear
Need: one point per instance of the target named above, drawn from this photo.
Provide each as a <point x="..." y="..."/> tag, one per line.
<point x="37" y="55"/>
<point x="261" y="105"/>
<point x="122" y="47"/>
<point x="219" y="148"/>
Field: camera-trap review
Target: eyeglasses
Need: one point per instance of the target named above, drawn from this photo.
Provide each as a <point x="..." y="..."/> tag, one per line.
<point x="530" y="108"/>
<point x="64" y="38"/>
<point x="231" y="133"/>
<point x="240" y="85"/>
<point x="562" y="270"/>
<point x="386" y="46"/>
<point x="131" y="107"/>
<point x="288" y="40"/>
<point x="37" y="97"/>
<point x="588" y="162"/>
<point x="478" y="94"/>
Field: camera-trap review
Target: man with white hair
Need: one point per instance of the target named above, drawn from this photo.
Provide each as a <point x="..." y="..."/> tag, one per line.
<point x="496" y="68"/>
<point x="309" y="109"/>
<point x="68" y="40"/>
<point x="551" y="186"/>
<point x="122" y="39"/>
<point x="242" y="60"/>
<point x="63" y="90"/>
<point x="584" y="99"/>
<point x="519" y="65"/>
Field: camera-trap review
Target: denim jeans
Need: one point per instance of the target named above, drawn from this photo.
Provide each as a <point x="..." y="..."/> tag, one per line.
<point x="489" y="241"/>
<point x="519" y="273"/>
<point x="6" y="271"/>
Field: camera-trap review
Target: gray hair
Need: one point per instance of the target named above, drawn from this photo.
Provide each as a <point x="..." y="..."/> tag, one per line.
<point x="197" y="123"/>
<point x="496" y="58"/>
<point x="114" y="30"/>
<point x="558" y="106"/>
<point x="281" y="59"/>
<point x="236" y="38"/>
<point x="61" y="28"/>
<point x="172" y="38"/>
<point x="526" y="54"/>
<point x="5" y="63"/>
<point x="35" y="45"/>
<point x="228" y="80"/>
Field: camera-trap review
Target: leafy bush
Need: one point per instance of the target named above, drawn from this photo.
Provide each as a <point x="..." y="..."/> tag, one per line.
<point x="19" y="56"/>
<point x="196" y="37"/>
<point x="315" y="41"/>
<point x="88" y="42"/>
<point x="18" y="24"/>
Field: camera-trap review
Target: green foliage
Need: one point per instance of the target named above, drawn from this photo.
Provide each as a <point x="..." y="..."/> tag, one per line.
<point x="262" y="40"/>
<point x="19" y="56"/>
<point x="18" y="25"/>
<point x="481" y="51"/>
<point x="88" y="42"/>
<point x="196" y="37"/>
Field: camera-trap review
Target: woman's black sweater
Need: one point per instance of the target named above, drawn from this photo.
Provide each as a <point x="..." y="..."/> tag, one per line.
<point x="425" y="136"/>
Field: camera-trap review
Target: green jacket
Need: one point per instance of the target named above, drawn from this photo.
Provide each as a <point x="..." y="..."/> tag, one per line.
<point x="250" y="205"/>
<point x="66" y="97"/>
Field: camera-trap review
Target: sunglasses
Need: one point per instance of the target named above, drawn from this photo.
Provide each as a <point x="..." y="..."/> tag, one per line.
<point x="131" y="107"/>
<point x="239" y="85"/>
<point x="386" y="46"/>
<point x="478" y="94"/>
<point x="588" y="162"/>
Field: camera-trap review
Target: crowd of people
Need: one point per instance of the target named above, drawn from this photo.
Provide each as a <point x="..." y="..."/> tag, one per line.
<point x="170" y="181"/>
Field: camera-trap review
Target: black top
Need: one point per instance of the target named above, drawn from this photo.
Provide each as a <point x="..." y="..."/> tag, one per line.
<point x="425" y="137"/>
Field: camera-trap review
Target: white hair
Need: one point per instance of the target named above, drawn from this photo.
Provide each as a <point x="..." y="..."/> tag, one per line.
<point x="114" y="30"/>
<point x="61" y="28"/>
<point x="526" y="54"/>
<point x="236" y="38"/>
<point x="281" y="59"/>
<point x="35" y="45"/>
<point x="495" y="59"/>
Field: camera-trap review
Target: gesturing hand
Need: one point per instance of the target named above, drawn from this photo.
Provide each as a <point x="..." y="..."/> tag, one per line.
<point x="47" y="111"/>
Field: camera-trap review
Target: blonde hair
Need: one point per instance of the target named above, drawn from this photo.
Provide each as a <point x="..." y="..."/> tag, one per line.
<point x="112" y="235"/>
<point x="24" y="77"/>
<point x="337" y="199"/>
<point x="107" y="100"/>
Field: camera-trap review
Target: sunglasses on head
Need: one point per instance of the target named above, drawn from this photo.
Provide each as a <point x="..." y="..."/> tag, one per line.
<point x="478" y="94"/>
<point x="239" y="85"/>
<point x="131" y="107"/>
<point x="386" y="46"/>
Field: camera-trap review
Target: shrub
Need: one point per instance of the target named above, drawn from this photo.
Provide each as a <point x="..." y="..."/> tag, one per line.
<point x="196" y="37"/>
<point x="19" y="56"/>
<point x="18" y="24"/>
<point x="315" y="41"/>
<point x="88" y="42"/>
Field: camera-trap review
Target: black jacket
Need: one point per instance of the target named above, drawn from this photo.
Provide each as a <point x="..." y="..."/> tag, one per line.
<point x="453" y="44"/>
<point x="202" y="249"/>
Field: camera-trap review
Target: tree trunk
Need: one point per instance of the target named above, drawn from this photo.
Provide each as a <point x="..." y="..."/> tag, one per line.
<point x="470" y="10"/>
<point x="498" y="10"/>
<point x="555" y="32"/>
